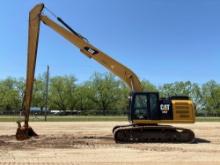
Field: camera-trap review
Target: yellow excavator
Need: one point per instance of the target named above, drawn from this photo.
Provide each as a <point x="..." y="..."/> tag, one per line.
<point x="148" y="114"/>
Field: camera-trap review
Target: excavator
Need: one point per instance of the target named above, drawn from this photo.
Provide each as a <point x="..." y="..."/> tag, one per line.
<point x="149" y="115"/>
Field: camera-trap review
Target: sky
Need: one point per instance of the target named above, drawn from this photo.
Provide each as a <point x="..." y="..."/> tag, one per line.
<point x="161" y="41"/>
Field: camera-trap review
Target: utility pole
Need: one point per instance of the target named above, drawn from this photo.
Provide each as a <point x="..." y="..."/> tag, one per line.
<point x="46" y="93"/>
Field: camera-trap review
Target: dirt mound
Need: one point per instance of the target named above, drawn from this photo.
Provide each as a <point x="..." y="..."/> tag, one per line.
<point x="55" y="141"/>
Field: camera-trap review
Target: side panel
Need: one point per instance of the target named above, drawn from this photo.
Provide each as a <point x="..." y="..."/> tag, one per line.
<point x="183" y="110"/>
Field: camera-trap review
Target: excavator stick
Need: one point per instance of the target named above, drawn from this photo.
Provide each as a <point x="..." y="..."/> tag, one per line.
<point x="24" y="133"/>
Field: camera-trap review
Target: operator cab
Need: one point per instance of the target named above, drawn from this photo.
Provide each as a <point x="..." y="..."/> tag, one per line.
<point x="148" y="106"/>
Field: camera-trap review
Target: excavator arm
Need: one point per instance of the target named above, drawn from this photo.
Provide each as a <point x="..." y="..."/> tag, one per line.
<point x="35" y="17"/>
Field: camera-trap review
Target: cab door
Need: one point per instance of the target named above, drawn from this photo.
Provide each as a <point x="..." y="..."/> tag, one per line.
<point x="155" y="113"/>
<point x="140" y="107"/>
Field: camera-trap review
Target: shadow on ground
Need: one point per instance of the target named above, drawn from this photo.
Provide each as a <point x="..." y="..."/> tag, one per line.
<point x="201" y="140"/>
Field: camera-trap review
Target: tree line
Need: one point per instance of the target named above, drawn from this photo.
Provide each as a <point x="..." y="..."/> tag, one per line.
<point x="102" y="94"/>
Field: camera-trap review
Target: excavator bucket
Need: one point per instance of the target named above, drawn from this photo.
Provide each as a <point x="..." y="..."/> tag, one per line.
<point x="24" y="132"/>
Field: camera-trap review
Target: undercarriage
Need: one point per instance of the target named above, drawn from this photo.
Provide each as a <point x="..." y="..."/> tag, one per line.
<point x="152" y="133"/>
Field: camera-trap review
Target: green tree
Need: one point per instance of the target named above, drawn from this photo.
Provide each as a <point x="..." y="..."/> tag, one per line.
<point x="9" y="96"/>
<point x="177" y="88"/>
<point x="83" y="95"/>
<point x="39" y="92"/>
<point x="196" y="95"/>
<point x="20" y="88"/>
<point x="123" y="102"/>
<point x="211" y="97"/>
<point x="148" y="86"/>
<point x="105" y="89"/>
<point x="61" y="93"/>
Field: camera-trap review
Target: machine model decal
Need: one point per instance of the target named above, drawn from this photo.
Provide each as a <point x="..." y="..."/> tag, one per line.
<point x="164" y="108"/>
<point x="91" y="50"/>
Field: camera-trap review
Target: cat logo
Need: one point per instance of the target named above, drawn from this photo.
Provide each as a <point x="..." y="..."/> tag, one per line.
<point x="164" y="108"/>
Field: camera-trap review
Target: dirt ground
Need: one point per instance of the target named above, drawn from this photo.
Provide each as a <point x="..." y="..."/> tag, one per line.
<point x="89" y="143"/>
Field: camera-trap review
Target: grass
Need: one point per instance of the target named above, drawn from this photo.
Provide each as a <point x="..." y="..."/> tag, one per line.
<point x="5" y="118"/>
<point x="213" y="119"/>
<point x="66" y="118"/>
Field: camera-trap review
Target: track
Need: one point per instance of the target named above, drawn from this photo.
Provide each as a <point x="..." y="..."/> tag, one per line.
<point x="159" y="133"/>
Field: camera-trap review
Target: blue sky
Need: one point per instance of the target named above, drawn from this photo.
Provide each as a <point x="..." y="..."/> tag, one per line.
<point x="161" y="41"/>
